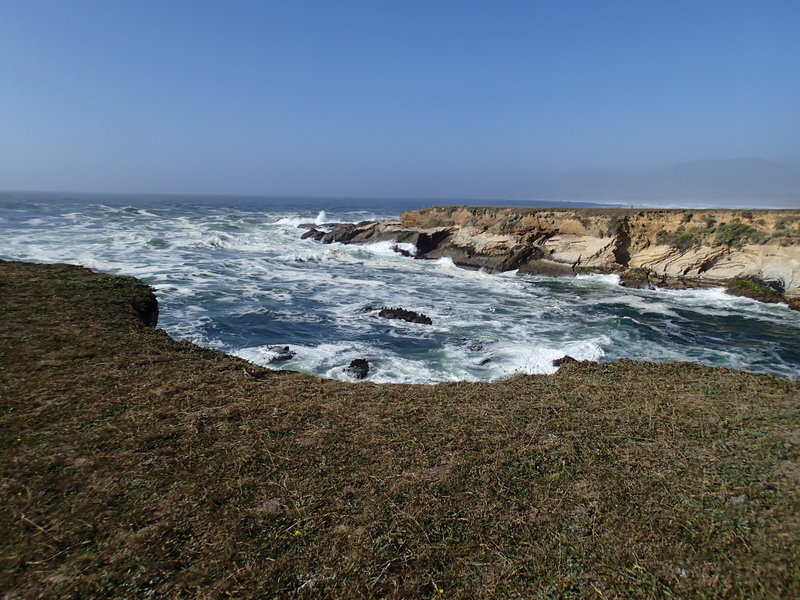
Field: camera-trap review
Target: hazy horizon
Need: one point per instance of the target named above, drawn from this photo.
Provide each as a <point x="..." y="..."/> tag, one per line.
<point x="623" y="101"/>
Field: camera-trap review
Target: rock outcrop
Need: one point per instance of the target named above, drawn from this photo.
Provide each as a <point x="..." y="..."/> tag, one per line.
<point x="402" y="314"/>
<point x="673" y="248"/>
<point x="358" y="368"/>
<point x="405" y="315"/>
<point x="281" y="353"/>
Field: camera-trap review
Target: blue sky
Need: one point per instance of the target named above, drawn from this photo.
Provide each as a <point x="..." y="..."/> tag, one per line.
<point x="418" y="99"/>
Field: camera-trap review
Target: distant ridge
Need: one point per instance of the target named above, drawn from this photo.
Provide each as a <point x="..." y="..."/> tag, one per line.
<point x="718" y="180"/>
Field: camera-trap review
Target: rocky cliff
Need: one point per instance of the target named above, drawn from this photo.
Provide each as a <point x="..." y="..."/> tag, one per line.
<point x="757" y="251"/>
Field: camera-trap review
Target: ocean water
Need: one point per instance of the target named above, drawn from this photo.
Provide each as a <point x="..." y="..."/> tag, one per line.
<point x="233" y="274"/>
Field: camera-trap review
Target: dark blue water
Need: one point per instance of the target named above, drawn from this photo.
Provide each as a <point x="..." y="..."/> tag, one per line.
<point x="232" y="273"/>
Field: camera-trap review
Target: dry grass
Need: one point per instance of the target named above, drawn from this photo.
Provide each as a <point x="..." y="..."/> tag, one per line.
<point x="135" y="466"/>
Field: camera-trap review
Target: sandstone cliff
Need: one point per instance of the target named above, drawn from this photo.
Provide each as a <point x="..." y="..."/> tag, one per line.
<point x="647" y="247"/>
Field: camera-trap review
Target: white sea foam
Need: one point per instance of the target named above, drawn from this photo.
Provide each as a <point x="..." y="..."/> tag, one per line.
<point x="296" y="221"/>
<point x="303" y="257"/>
<point x="509" y="358"/>
<point x="240" y="280"/>
<point x="716" y="301"/>
<point x="640" y="303"/>
<point x="609" y="280"/>
<point x="389" y="249"/>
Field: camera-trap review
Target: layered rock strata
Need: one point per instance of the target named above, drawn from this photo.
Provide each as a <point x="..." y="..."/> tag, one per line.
<point x="677" y="248"/>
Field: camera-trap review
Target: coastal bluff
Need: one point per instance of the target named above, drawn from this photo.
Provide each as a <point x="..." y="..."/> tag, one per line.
<point x="754" y="252"/>
<point x="134" y="465"/>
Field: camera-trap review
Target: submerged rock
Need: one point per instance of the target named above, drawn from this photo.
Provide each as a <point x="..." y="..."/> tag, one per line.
<point x="358" y="369"/>
<point x="405" y="315"/>
<point x="281" y="353"/>
<point x="402" y="251"/>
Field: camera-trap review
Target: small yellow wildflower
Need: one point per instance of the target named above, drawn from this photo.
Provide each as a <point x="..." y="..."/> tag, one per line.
<point x="440" y="590"/>
<point x="297" y="532"/>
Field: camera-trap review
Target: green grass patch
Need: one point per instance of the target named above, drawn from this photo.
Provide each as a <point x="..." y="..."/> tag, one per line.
<point x="135" y="466"/>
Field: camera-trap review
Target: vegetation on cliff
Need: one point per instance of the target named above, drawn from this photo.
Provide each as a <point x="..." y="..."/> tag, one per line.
<point x="137" y="466"/>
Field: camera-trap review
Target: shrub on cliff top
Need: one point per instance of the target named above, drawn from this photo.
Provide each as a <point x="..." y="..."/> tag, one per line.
<point x="680" y="239"/>
<point x="738" y="234"/>
<point x="616" y="225"/>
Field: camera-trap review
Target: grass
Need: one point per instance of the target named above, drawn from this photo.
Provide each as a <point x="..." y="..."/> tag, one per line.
<point x="136" y="466"/>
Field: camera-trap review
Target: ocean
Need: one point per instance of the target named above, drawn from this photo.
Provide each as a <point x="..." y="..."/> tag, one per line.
<point x="232" y="273"/>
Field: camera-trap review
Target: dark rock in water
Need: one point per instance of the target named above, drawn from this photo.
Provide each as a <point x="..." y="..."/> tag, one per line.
<point x="281" y="353"/>
<point x="358" y="368"/>
<point x="756" y="288"/>
<point x="405" y="315"/>
<point x="636" y="278"/>
<point x="485" y="361"/>
<point x="313" y="233"/>
<point x="564" y="360"/>
<point x="428" y="242"/>
<point x="342" y="233"/>
<point x="366" y="309"/>
<point x="400" y="250"/>
<point x="476" y="347"/>
<point x="550" y="268"/>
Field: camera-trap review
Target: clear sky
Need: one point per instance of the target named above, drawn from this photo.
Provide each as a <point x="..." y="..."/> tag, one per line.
<point x="405" y="98"/>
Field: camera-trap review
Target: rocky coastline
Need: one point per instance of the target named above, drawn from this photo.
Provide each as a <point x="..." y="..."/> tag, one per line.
<point x="752" y="252"/>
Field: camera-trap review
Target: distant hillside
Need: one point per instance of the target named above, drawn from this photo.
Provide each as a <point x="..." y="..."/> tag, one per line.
<point x="710" y="180"/>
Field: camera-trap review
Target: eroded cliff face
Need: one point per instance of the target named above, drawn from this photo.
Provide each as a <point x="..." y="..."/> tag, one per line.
<point x="662" y="247"/>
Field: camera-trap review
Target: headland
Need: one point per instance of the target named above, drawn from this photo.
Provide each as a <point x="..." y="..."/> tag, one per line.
<point x="752" y="252"/>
